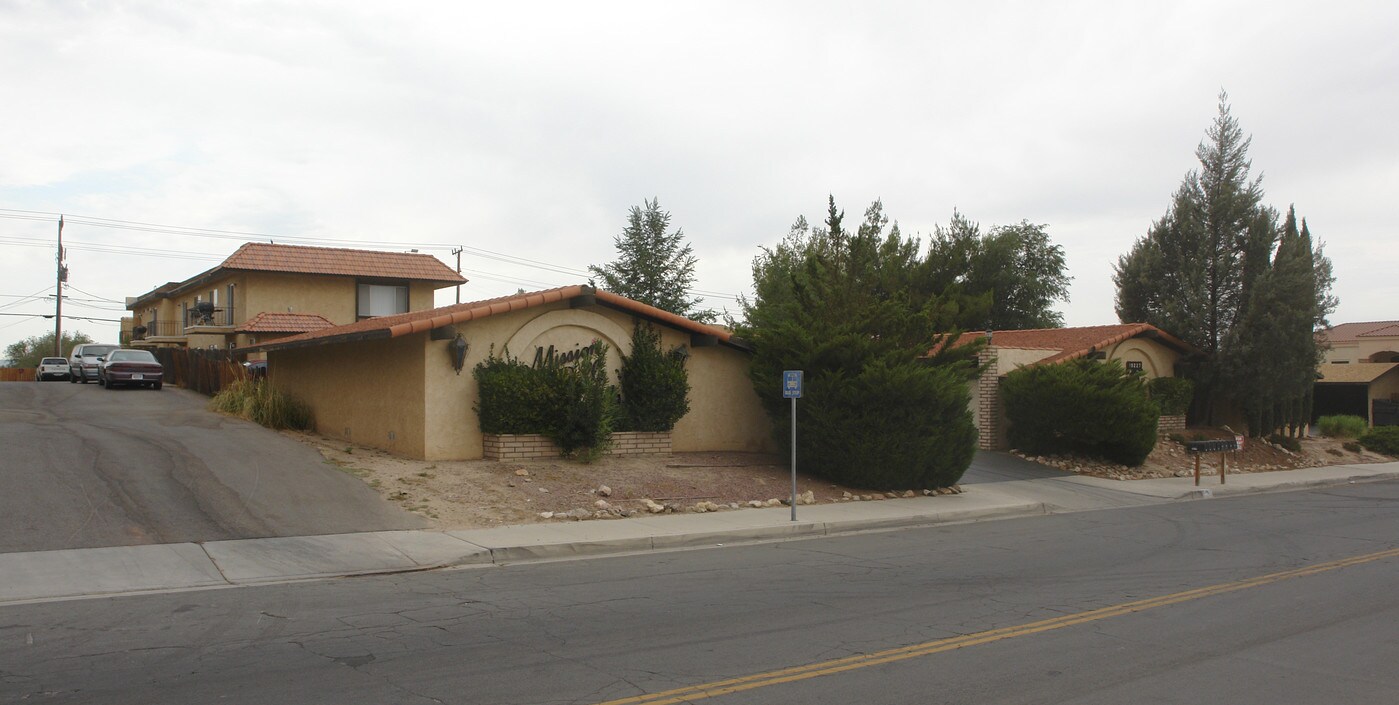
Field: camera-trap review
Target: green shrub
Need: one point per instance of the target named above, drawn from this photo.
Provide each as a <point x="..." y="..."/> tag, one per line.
<point x="1287" y="442"/>
<point x="1172" y="394"/>
<point x="584" y="403"/>
<point x="1382" y="439"/>
<point x="1082" y="407"/>
<point x="514" y="397"/>
<point x="1353" y="446"/>
<point x="887" y="428"/>
<point x="571" y="404"/>
<point x="258" y="401"/>
<point x="654" y="384"/>
<point x="1342" y="426"/>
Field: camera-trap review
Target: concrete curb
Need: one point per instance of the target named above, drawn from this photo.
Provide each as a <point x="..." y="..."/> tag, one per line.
<point x="43" y="576"/>
<point x="1205" y="490"/>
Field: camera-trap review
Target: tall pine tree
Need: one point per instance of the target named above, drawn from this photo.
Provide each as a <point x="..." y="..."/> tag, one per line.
<point x="1207" y="272"/>
<point x="654" y="264"/>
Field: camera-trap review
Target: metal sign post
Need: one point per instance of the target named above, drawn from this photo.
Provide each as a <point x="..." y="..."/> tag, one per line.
<point x="792" y="389"/>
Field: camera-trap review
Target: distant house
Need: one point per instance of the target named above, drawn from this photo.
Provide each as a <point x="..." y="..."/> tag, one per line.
<point x="1141" y="347"/>
<point x="264" y="291"/>
<point x="393" y="383"/>
<point x="1360" y="376"/>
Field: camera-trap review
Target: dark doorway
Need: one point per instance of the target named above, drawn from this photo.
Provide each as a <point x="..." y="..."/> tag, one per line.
<point x="1333" y="398"/>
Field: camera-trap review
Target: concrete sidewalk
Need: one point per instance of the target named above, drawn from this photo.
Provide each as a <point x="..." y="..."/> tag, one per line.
<point x="48" y="575"/>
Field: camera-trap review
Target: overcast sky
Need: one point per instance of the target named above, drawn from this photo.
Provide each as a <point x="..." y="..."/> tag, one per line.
<point x="528" y="131"/>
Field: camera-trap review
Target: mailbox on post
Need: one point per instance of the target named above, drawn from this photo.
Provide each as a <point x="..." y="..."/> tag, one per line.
<point x="1219" y="445"/>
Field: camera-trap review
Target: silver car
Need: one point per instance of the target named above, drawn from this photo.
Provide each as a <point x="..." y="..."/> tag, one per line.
<point x="83" y="361"/>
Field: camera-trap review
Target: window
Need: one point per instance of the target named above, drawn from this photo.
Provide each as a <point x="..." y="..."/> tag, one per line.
<point x="382" y="300"/>
<point x="1134" y="366"/>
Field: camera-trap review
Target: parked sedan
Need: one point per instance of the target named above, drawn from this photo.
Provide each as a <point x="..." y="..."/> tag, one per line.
<point x="130" y="367"/>
<point x="51" y="368"/>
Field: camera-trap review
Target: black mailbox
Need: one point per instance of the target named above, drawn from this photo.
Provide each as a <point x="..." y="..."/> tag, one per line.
<point x="1215" y="446"/>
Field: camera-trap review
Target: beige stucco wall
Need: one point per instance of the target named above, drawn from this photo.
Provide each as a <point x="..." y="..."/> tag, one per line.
<point x="362" y="391"/>
<point x="1157" y="360"/>
<point x="1385" y="388"/>
<point x="724" y="410"/>
<point x="370" y="392"/>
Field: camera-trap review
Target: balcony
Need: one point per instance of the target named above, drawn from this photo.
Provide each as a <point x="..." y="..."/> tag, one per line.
<point x="207" y="316"/>
<point x="152" y="332"/>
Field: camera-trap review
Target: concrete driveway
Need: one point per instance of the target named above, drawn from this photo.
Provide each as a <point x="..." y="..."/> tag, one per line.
<point x="996" y="466"/>
<point x="82" y="466"/>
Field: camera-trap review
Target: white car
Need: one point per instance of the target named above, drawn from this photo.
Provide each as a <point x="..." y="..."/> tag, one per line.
<point x="51" y="368"/>
<point x="82" y="364"/>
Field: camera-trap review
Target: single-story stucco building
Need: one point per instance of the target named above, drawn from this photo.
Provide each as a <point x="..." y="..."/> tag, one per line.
<point x="391" y="382"/>
<point x="1369" y="390"/>
<point x="1141" y="347"/>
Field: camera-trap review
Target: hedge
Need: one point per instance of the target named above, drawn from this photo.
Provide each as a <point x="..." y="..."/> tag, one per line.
<point x="1081" y="407"/>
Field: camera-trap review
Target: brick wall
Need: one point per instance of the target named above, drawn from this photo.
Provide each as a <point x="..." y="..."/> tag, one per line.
<point x="528" y="446"/>
<point x="1170" y="424"/>
<point x="988" y="410"/>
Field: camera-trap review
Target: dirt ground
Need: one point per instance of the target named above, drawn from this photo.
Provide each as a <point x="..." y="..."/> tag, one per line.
<point x="1170" y="459"/>
<point x="484" y="493"/>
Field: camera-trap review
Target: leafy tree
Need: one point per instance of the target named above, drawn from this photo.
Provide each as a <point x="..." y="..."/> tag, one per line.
<point x="654" y="264"/>
<point x="28" y="352"/>
<point x="1014" y="270"/>
<point x="1207" y="272"/>
<point x="856" y="313"/>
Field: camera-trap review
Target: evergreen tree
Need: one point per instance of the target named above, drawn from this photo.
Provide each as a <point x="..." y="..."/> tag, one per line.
<point x="851" y="310"/>
<point x="654" y="264"/>
<point x="1013" y="270"/>
<point x="1207" y="272"/>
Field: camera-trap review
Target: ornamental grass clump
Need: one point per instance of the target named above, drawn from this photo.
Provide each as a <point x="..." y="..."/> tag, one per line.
<point x="1342" y="426"/>
<point x="258" y="401"/>
<point x="1081" y="407"/>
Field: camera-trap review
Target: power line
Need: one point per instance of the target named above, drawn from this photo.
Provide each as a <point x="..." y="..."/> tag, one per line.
<point x="247" y="236"/>
<point x="50" y="315"/>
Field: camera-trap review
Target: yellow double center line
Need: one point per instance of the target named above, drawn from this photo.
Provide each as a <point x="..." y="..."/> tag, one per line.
<point x="850" y="663"/>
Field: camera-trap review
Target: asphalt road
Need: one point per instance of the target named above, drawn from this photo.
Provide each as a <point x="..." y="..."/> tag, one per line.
<point x="82" y="466"/>
<point x="1179" y="603"/>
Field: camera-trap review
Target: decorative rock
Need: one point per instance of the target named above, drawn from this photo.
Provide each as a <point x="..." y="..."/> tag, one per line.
<point x="892" y="495"/>
<point x="546" y="515"/>
<point x="928" y="493"/>
<point x="845" y="495"/>
<point x="544" y="490"/>
<point x="1184" y="473"/>
<point x="604" y="491"/>
<point x="733" y="505"/>
<point x="866" y="497"/>
<point x="651" y="506"/>
<point x="908" y="493"/>
<point x="522" y="472"/>
<point x="755" y="503"/>
<point x="579" y="513"/>
<point x="774" y="502"/>
<point x="807" y="497"/>
<point x="602" y="504"/>
<point x="509" y="484"/>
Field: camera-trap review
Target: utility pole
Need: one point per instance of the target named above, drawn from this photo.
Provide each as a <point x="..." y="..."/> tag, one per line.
<point x="58" y="296"/>
<point x="457" y="252"/>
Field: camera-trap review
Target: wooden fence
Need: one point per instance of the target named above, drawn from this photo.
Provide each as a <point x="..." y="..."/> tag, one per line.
<point x="203" y="371"/>
<point x="16" y="374"/>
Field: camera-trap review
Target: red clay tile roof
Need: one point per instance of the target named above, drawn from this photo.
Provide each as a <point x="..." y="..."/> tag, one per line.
<point x="421" y="321"/>
<point x="1073" y="342"/>
<point x="299" y="259"/>
<point x="1351" y="332"/>
<point x="270" y="322"/>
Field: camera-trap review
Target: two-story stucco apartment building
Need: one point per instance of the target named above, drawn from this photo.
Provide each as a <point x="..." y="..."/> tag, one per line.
<point x="1361" y="373"/>
<point x="266" y="291"/>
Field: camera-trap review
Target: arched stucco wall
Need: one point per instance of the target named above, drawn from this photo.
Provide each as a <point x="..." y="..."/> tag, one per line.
<point x="1157" y="360"/>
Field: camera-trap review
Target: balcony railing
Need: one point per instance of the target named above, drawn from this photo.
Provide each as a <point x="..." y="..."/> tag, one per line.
<point x="157" y="329"/>
<point x="212" y="316"/>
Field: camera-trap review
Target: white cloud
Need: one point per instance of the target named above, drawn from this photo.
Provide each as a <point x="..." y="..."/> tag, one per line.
<point x="530" y="130"/>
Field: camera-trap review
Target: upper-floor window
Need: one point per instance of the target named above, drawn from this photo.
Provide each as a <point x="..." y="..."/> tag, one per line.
<point x="382" y="300"/>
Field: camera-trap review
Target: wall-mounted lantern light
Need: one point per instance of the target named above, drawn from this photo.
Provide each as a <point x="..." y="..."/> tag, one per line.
<point x="457" y="349"/>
